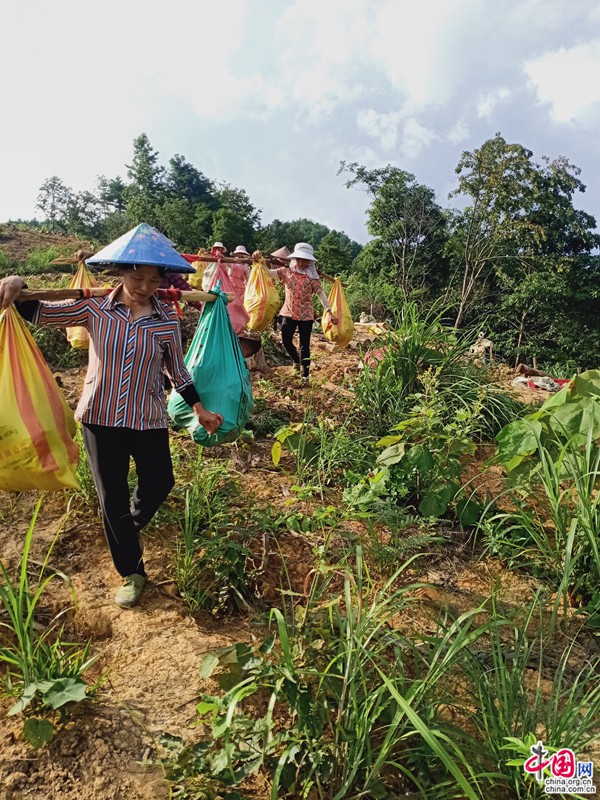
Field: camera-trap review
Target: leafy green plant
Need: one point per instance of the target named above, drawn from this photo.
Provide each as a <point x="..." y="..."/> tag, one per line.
<point x="569" y="415"/>
<point x="422" y="460"/>
<point x="44" y="670"/>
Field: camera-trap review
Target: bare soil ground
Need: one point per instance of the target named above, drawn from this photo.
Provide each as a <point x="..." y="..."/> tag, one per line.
<point x="151" y="655"/>
<point x="17" y="244"/>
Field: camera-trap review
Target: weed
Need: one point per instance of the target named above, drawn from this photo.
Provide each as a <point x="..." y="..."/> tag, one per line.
<point x="422" y="462"/>
<point x="57" y="349"/>
<point x="556" y="534"/>
<point x="266" y="420"/>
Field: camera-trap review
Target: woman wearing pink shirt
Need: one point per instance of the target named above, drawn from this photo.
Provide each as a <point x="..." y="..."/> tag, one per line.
<point x="239" y="272"/>
<point x="301" y="281"/>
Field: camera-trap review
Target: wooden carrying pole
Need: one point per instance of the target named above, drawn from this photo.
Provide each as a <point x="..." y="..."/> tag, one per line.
<point x="100" y="291"/>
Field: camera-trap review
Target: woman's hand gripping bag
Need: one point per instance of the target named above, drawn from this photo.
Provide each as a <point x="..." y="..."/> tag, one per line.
<point x="262" y="298"/>
<point x="342" y="332"/>
<point x="83" y="279"/>
<point x="37" y="427"/>
<point x="220" y="375"/>
<point x="235" y="307"/>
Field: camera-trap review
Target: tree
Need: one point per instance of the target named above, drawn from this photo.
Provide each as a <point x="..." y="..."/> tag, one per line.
<point x="233" y="229"/>
<point x="406" y="219"/>
<point x="146" y="189"/>
<point x="334" y="255"/>
<point x="238" y="201"/>
<point x="497" y="178"/>
<point x="521" y="248"/>
<point x="82" y="215"/>
<point x="111" y="194"/>
<point x="53" y="199"/>
<point x="185" y="181"/>
<point x="186" y="223"/>
<point x="278" y="233"/>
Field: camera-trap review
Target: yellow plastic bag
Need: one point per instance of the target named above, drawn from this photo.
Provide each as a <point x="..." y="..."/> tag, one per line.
<point x="83" y="279"/>
<point x="195" y="279"/>
<point x="261" y="300"/>
<point x="37" y="427"/>
<point x="343" y="331"/>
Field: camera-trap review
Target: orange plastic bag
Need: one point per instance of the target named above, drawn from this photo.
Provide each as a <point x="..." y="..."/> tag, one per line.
<point x="261" y="300"/>
<point x="343" y="331"/>
<point x="37" y="427"/>
<point x="83" y="279"/>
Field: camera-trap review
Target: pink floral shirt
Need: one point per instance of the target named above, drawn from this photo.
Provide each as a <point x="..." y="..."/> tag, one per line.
<point x="299" y="290"/>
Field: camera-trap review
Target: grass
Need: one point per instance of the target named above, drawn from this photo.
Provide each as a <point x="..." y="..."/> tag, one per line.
<point x="554" y="532"/>
<point x="523" y="693"/>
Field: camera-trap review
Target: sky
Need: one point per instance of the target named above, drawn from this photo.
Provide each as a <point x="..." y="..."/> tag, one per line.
<point x="271" y="95"/>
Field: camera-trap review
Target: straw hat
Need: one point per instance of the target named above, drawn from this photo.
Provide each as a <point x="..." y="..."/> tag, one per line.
<point x="141" y="246"/>
<point x="219" y="244"/>
<point x="283" y="252"/>
<point x="241" y="250"/>
<point x="303" y="250"/>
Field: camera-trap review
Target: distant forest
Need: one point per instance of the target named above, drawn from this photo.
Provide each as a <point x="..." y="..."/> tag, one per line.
<point x="517" y="260"/>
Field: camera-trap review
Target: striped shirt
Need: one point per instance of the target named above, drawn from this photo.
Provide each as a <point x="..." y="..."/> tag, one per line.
<point x="124" y="382"/>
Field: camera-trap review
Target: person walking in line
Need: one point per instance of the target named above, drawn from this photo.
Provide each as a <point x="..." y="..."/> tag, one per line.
<point x="301" y="281"/>
<point x="239" y="272"/>
<point x="134" y="337"/>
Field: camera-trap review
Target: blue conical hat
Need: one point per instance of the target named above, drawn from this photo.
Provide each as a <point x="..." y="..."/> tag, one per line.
<point x="143" y="245"/>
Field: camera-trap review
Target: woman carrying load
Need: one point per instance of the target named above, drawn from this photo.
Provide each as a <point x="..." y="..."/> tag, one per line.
<point x="301" y="281"/>
<point x="134" y="337"/>
<point x="239" y="272"/>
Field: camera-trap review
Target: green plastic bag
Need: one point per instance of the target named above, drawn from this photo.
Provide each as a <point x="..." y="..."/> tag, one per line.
<point x="220" y="376"/>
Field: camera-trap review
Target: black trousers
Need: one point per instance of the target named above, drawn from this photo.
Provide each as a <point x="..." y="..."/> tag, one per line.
<point x="288" y="328"/>
<point x="109" y="450"/>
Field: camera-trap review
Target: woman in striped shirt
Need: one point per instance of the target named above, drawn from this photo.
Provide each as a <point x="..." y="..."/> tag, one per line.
<point x="134" y="338"/>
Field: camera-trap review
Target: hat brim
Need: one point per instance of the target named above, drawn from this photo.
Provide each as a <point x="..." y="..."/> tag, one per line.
<point x="302" y="256"/>
<point x="147" y="263"/>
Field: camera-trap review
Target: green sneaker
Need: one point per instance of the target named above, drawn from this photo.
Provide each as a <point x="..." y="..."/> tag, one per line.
<point x="129" y="594"/>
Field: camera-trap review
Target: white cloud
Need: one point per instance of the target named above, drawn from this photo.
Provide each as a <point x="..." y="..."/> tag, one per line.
<point x="382" y="127"/>
<point x="415" y="138"/>
<point x="488" y="102"/>
<point x="458" y="133"/>
<point x="567" y="79"/>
